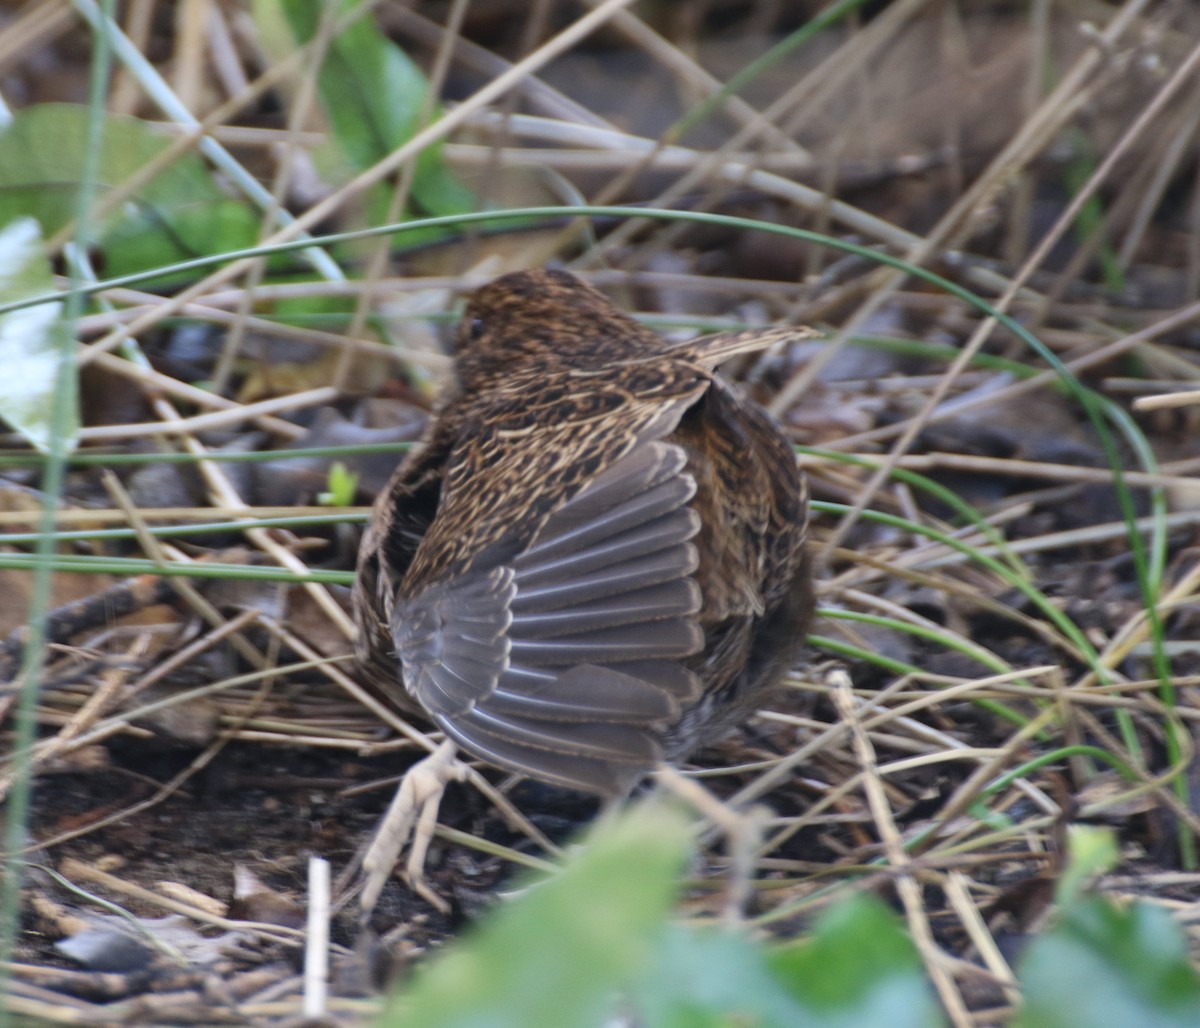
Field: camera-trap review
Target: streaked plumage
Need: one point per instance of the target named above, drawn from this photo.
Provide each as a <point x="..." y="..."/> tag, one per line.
<point x="595" y="560"/>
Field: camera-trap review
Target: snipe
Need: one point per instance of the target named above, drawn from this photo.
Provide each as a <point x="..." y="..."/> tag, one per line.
<point x="595" y="561"/>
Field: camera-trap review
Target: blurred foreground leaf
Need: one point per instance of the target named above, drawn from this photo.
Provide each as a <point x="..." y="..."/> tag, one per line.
<point x="860" y="968"/>
<point x="701" y="978"/>
<point x="1105" y="966"/>
<point x="31" y="343"/>
<point x="597" y="941"/>
<point x="558" y="955"/>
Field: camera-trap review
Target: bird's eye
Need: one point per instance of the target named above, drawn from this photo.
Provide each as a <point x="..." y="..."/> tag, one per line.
<point x="477" y="328"/>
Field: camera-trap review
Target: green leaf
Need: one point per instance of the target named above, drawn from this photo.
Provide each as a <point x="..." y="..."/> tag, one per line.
<point x="703" y="978"/>
<point x="1106" y="966"/>
<point x="156" y="235"/>
<point x="341" y="486"/>
<point x="178" y="214"/>
<point x="32" y="347"/>
<point x="1091" y="851"/>
<point x="860" y="969"/>
<point x="560" y="954"/>
<point x="374" y="96"/>
<point x="372" y="93"/>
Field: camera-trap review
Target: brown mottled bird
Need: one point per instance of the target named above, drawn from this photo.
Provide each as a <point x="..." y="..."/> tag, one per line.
<point x="596" y="559"/>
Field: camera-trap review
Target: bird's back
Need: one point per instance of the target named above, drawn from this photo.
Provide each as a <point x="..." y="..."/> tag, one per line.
<point x="753" y="570"/>
<point x="597" y="558"/>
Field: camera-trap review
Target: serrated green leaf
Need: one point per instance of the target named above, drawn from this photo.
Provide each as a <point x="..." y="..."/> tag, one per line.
<point x="32" y="347"/>
<point x="1107" y="966"/>
<point x="560" y="954"/>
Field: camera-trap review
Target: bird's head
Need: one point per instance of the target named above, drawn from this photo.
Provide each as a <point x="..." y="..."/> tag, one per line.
<point x="528" y="320"/>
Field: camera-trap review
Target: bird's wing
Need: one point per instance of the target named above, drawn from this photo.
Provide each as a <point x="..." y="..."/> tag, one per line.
<point x="402" y="515"/>
<point x="712" y="350"/>
<point x="554" y="646"/>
